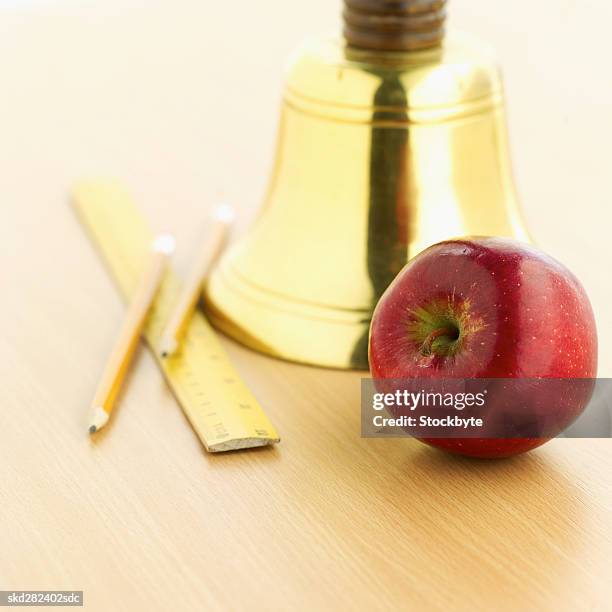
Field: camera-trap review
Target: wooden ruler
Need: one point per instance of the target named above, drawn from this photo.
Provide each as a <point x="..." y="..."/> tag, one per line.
<point x="221" y="409"/>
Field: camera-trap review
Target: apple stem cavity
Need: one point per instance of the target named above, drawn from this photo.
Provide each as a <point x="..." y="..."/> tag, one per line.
<point x="450" y="334"/>
<point x="439" y="329"/>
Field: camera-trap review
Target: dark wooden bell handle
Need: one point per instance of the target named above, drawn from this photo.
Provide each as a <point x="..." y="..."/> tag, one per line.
<point x="394" y="25"/>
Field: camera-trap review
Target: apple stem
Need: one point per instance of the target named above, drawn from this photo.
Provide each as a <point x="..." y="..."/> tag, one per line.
<point x="437" y="333"/>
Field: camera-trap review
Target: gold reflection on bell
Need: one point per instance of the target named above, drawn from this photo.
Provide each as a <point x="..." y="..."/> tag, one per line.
<point x="380" y="154"/>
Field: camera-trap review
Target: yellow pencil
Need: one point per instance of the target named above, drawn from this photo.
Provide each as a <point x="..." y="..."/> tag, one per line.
<point x="214" y="241"/>
<point x="123" y="351"/>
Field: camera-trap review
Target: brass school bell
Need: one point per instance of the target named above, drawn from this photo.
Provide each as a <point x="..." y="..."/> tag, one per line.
<point x="390" y="140"/>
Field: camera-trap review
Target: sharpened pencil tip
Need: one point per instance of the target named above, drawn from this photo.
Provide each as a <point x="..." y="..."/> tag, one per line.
<point x="168" y="347"/>
<point x="99" y="418"/>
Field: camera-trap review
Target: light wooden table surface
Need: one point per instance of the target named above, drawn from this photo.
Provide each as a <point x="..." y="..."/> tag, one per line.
<point x="160" y="95"/>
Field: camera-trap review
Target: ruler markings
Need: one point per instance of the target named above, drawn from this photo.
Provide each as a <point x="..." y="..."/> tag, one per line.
<point x="201" y="375"/>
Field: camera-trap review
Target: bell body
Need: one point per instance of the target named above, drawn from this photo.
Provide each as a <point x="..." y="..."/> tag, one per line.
<point x="380" y="154"/>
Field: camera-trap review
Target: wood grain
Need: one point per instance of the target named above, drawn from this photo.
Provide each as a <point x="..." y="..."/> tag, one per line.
<point x="142" y="518"/>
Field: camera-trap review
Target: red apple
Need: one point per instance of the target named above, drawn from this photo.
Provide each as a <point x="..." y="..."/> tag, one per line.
<point x="484" y="308"/>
